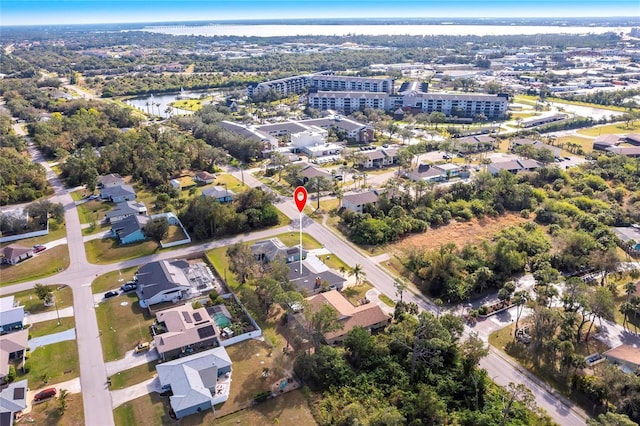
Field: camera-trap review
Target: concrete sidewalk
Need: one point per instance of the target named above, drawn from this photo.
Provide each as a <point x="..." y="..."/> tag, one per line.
<point x="47" y="316"/>
<point x="119" y="397"/>
<point x="130" y="360"/>
<point x="49" y="339"/>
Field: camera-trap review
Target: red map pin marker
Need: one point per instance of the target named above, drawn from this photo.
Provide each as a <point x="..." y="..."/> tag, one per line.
<point x="300" y="197"/>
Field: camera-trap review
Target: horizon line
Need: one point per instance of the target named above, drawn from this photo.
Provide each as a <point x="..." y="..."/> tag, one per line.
<point x="225" y="20"/>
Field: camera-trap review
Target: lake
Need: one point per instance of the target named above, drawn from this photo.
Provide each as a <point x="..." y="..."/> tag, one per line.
<point x="341" y="30"/>
<point x="149" y="103"/>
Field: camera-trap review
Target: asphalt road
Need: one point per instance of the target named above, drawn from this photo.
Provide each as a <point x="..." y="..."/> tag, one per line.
<point x="80" y="274"/>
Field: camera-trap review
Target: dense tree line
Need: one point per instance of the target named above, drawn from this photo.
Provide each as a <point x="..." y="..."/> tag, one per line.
<point x="206" y="218"/>
<point x="415" y="372"/>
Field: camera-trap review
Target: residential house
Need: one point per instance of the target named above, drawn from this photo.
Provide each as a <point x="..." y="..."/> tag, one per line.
<point x="13" y="399"/>
<point x="12" y="348"/>
<point x="369" y="316"/>
<point x="130" y="229"/>
<point x="356" y="201"/>
<point x="184" y="330"/>
<point x="557" y="152"/>
<point x="204" y="178"/>
<point x="514" y="166"/>
<point x="372" y="159"/>
<point x="197" y="382"/>
<point x="171" y="281"/>
<point x="475" y="143"/>
<point x="125" y="209"/>
<point x="312" y="276"/>
<point x="626" y="356"/>
<point x="14" y="254"/>
<point x="603" y="142"/>
<point x="220" y="193"/>
<point x="110" y="180"/>
<point x="11" y="315"/>
<point x="633" y="138"/>
<point x="629" y="151"/>
<point x="427" y="173"/>
<point x="309" y="172"/>
<point x="118" y="194"/>
<point x="266" y="251"/>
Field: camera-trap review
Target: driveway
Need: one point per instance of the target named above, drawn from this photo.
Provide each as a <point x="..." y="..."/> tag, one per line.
<point x="130" y="360"/>
<point x="48" y="339"/>
<point x="119" y="397"/>
<point x="47" y="316"/>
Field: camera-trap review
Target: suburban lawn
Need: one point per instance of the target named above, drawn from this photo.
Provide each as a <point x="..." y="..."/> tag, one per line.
<point x="387" y="300"/>
<point x="175" y="233"/>
<point x="232" y="183"/>
<point x="59" y="361"/>
<point x="356" y="293"/>
<point x="151" y="409"/>
<point x="94" y="211"/>
<point x="122" y="326"/>
<point x="102" y="227"/>
<point x="44" y="264"/>
<point x="46" y="413"/>
<point x="290" y="409"/>
<point x="111" y="280"/>
<point x="220" y="261"/>
<point x="103" y="251"/>
<point x="616" y="128"/>
<point x="49" y="327"/>
<point x="133" y="376"/>
<point x="249" y="359"/>
<point x="33" y="305"/>
<point x="585" y="143"/>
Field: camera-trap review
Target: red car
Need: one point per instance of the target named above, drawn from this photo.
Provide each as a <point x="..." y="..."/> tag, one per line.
<point x="45" y="394"/>
<point x="39" y="248"/>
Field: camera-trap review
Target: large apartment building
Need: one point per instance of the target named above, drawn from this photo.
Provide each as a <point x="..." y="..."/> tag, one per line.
<point x="347" y="94"/>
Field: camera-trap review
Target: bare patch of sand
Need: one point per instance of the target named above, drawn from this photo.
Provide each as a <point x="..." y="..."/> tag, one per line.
<point x="459" y="233"/>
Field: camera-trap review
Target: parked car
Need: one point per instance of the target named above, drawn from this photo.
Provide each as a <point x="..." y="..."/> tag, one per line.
<point x="142" y="347"/>
<point x="45" y="394"/>
<point x="130" y="286"/>
<point x="38" y="248"/>
<point x="109" y="294"/>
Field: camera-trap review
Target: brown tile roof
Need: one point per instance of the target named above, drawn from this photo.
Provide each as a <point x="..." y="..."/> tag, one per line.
<point x="362" y="316"/>
<point x="627" y="353"/>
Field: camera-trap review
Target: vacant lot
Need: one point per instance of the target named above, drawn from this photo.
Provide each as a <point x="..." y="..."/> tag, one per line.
<point x="618" y="129"/>
<point x="290" y="409"/>
<point x="459" y="233"/>
<point x="48" y="262"/>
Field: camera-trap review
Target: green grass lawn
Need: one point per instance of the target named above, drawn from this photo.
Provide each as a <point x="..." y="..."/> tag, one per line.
<point x="33" y="305"/>
<point x="46" y="413"/>
<point x="50" y="327"/>
<point x="587" y="104"/>
<point x="585" y="143"/>
<point x="356" y="293"/>
<point x="175" y="234"/>
<point x="232" y="183"/>
<point x="99" y="228"/>
<point x="387" y="300"/>
<point x="133" y="376"/>
<point x="121" y="327"/>
<point x="94" y="211"/>
<point x="78" y="195"/>
<point x="220" y="261"/>
<point x="111" y="280"/>
<point x="151" y="409"/>
<point x="620" y="128"/>
<point x="44" y="264"/>
<point x="59" y="361"/>
<point x="104" y="251"/>
<point x="56" y="232"/>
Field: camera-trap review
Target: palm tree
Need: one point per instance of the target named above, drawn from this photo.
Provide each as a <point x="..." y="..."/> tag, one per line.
<point x="401" y="285"/>
<point x="359" y="273"/>
<point x="520" y="299"/>
<point x="629" y="288"/>
<point x="625" y="309"/>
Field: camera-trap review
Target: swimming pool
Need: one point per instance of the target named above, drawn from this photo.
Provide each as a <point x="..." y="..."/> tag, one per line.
<point x="221" y="320"/>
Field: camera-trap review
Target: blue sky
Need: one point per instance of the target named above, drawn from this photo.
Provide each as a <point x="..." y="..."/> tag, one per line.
<point x="26" y="12"/>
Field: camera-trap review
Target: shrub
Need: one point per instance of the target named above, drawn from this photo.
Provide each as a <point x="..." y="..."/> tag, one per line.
<point x="11" y="376"/>
<point x="262" y="396"/>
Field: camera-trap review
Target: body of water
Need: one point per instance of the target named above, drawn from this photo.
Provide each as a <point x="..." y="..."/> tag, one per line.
<point x="157" y="104"/>
<point x="342" y="30"/>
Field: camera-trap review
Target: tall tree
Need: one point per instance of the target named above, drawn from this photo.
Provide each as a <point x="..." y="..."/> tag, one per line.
<point x="321" y="322"/>
<point x="156" y="229"/>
